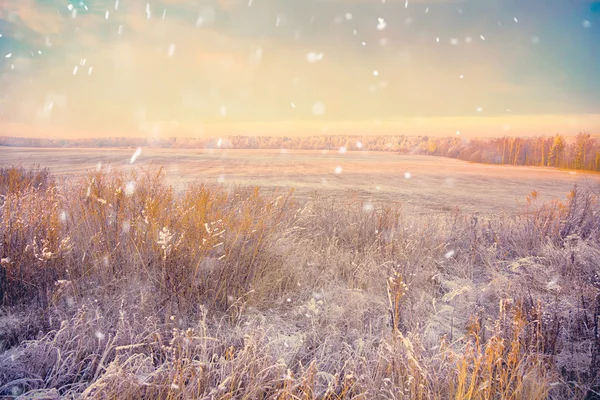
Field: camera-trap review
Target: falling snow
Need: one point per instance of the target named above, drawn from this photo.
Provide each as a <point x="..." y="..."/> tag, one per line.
<point x="130" y="188"/>
<point x="318" y="109"/>
<point x="135" y="155"/>
<point x="171" y="50"/>
<point x="314" y="57"/>
<point x="449" y="254"/>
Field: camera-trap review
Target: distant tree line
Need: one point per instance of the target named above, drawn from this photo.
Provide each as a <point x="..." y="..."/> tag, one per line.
<point x="581" y="152"/>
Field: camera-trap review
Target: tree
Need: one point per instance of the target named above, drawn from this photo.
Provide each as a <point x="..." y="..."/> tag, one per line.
<point x="557" y="150"/>
<point x="583" y="143"/>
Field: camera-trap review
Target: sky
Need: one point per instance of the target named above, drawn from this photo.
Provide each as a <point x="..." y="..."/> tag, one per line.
<point x="299" y="67"/>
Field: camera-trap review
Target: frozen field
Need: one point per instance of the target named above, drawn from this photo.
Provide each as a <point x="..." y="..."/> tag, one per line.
<point x="421" y="183"/>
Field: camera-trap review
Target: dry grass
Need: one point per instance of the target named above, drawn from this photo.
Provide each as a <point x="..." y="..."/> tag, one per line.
<point x="115" y="286"/>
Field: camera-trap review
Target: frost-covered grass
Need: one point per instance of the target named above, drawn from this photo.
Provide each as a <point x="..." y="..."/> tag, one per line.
<point x="115" y="286"/>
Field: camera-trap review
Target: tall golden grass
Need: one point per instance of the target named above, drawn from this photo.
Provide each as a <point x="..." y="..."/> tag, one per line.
<point x="113" y="285"/>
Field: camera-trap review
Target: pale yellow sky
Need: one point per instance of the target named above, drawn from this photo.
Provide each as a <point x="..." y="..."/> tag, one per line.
<point x="174" y="67"/>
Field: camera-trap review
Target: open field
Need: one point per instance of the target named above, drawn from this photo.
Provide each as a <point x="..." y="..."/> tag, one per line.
<point x="435" y="184"/>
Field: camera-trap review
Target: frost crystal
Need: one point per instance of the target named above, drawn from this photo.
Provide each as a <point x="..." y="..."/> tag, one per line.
<point x="164" y="240"/>
<point x="449" y="254"/>
<point x="380" y="24"/>
<point x="99" y="335"/>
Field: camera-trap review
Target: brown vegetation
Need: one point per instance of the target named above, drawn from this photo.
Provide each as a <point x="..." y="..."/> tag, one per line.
<point x="115" y="286"/>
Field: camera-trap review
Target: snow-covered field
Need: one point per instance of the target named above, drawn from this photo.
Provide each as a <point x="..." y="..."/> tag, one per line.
<point x="420" y="183"/>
